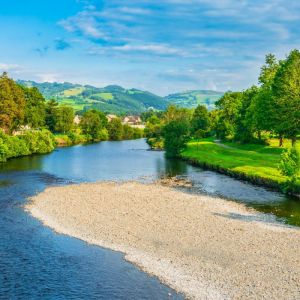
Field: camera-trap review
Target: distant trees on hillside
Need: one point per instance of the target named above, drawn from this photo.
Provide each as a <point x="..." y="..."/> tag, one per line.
<point x="25" y="109"/>
<point x="270" y="109"/>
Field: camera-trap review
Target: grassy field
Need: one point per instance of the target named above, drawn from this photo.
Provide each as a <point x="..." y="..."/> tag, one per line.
<point x="73" y="92"/>
<point x="253" y="161"/>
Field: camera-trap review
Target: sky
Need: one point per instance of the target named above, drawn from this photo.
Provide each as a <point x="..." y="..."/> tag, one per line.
<point x="164" y="46"/>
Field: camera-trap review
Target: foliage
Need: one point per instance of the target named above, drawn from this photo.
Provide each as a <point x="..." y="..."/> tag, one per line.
<point x="286" y="95"/>
<point x="92" y="124"/>
<point x="244" y="132"/>
<point x="191" y="99"/>
<point x="110" y="99"/>
<point x="38" y="141"/>
<point x="12" y="104"/>
<point x="200" y="122"/>
<point x="63" y="118"/>
<point x="41" y="141"/>
<point x="176" y="134"/>
<point x="50" y="109"/>
<point x="35" y="110"/>
<point x="115" y="129"/>
<point x="229" y="106"/>
<point x="290" y="166"/>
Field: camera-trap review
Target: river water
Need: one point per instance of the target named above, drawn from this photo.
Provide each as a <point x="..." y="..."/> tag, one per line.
<point x="37" y="263"/>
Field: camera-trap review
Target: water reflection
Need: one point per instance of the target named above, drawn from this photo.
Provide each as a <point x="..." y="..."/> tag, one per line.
<point x="35" y="263"/>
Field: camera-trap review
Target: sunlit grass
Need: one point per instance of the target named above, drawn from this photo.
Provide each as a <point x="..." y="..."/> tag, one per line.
<point x="73" y="92"/>
<point x="259" y="161"/>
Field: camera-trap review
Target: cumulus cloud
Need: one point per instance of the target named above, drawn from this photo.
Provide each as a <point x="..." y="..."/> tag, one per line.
<point x="228" y="36"/>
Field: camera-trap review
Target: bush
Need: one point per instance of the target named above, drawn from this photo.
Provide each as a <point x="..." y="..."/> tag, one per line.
<point x="3" y="150"/>
<point x="176" y="135"/>
<point x="290" y="166"/>
<point x="29" y="143"/>
<point x="39" y="141"/>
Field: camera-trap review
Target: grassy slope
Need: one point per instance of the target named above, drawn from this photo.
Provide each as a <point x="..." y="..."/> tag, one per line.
<point x="110" y="99"/>
<point x="255" y="161"/>
<point x="191" y="99"/>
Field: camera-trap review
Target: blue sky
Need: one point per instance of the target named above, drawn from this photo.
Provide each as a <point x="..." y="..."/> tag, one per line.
<point x="163" y="46"/>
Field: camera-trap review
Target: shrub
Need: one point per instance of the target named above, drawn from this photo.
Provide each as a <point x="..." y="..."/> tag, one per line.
<point x="29" y="143"/>
<point x="290" y="166"/>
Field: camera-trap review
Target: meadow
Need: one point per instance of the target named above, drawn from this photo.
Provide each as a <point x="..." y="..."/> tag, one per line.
<point x="251" y="161"/>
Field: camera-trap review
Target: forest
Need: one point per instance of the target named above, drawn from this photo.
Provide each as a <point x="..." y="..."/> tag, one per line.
<point x="29" y="124"/>
<point x="259" y="116"/>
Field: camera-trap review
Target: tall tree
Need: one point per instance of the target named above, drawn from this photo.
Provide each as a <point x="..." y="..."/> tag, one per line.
<point x="115" y="129"/>
<point x="260" y="114"/>
<point x="92" y="124"/>
<point x="51" y="107"/>
<point x="12" y="104"/>
<point x="200" y="121"/>
<point x="229" y="105"/>
<point x="244" y="131"/>
<point x="35" y="108"/>
<point x="286" y="95"/>
<point x="176" y="113"/>
<point x="176" y="135"/>
<point x="64" y="118"/>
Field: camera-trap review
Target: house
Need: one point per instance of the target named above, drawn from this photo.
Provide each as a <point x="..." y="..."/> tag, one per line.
<point x="21" y="130"/>
<point x="110" y="117"/>
<point x="132" y="120"/>
<point x="77" y="120"/>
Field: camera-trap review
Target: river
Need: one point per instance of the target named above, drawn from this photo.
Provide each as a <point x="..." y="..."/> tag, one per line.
<point x="36" y="263"/>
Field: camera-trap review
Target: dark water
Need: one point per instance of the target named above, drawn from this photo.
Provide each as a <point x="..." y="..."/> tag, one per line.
<point x="36" y="263"/>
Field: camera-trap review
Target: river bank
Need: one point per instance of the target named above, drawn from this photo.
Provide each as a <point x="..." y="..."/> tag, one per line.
<point x="257" y="164"/>
<point x="205" y="247"/>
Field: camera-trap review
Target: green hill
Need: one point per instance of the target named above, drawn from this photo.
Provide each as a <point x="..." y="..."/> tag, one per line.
<point x="191" y="99"/>
<point x="118" y="100"/>
<point x="110" y="99"/>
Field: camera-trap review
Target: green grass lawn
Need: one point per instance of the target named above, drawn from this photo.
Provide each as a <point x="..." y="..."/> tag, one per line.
<point x="258" y="161"/>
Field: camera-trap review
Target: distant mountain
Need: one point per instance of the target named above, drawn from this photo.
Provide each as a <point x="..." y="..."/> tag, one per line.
<point x="117" y="100"/>
<point x="191" y="99"/>
<point x="110" y="99"/>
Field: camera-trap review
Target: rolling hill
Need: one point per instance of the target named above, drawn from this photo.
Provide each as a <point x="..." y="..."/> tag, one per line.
<point x="117" y="100"/>
<point x="191" y="99"/>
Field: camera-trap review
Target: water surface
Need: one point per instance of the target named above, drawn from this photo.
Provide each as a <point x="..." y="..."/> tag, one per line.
<point x="37" y="263"/>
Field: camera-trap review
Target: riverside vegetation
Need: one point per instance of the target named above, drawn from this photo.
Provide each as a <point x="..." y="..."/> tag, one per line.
<point x="29" y="124"/>
<point x="251" y="134"/>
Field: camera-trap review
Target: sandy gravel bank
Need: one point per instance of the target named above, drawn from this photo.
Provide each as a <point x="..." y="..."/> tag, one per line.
<point x="205" y="247"/>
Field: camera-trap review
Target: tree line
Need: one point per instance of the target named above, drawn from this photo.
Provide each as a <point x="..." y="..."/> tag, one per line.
<point x="27" y="122"/>
<point x="270" y="109"/>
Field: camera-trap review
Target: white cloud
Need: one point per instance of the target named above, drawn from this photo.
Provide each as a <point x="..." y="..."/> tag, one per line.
<point x="9" y="67"/>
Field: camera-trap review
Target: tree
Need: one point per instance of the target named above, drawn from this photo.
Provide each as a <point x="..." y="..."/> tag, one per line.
<point x="176" y="113"/>
<point x="200" y="121"/>
<point x="260" y="114"/>
<point x="12" y="104"/>
<point x="35" y="108"/>
<point x="286" y="95"/>
<point x="244" y="130"/>
<point x="268" y="71"/>
<point x="229" y="105"/>
<point x="128" y="132"/>
<point x="176" y="135"/>
<point x="115" y="129"/>
<point x="64" y="118"/>
<point x="51" y="107"/>
<point x="92" y="124"/>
